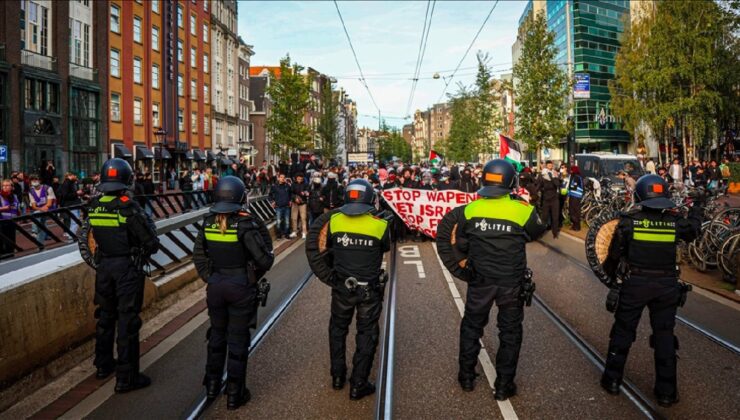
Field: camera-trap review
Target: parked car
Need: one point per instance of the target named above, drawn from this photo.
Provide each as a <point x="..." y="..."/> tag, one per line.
<point x="600" y="165"/>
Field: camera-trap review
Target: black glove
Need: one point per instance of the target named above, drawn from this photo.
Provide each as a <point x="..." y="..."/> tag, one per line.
<point x="612" y="300"/>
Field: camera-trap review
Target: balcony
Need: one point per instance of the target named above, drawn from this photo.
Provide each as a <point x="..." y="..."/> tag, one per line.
<point x="82" y="72"/>
<point x="30" y="58"/>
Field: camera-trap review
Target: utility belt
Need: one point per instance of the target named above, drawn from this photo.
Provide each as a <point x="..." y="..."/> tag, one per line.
<point x="642" y="272"/>
<point x="237" y="271"/>
<point x="364" y="288"/>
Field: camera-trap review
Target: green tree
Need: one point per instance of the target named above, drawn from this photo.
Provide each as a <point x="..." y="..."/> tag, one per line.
<point x="391" y="144"/>
<point x="328" y="121"/>
<point x="485" y="106"/>
<point x="542" y="89"/>
<point x="463" y="142"/>
<point x="289" y="92"/>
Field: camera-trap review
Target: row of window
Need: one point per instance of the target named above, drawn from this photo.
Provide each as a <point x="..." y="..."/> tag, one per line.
<point x="115" y="66"/>
<point x="115" y="22"/>
<point x="115" y="115"/>
<point x="41" y="95"/>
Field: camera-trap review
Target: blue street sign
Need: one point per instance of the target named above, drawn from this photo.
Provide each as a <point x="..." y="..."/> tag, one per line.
<point x="582" y="86"/>
<point x="3" y="153"/>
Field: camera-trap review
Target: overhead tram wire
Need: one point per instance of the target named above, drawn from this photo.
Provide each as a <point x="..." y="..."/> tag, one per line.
<point x="483" y="25"/>
<point x="423" y="42"/>
<point x="354" y="54"/>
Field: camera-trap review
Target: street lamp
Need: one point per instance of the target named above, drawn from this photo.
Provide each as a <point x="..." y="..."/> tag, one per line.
<point x="161" y="136"/>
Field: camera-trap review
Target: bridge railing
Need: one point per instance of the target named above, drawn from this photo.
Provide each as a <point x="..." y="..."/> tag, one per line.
<point x="39" y="231"/>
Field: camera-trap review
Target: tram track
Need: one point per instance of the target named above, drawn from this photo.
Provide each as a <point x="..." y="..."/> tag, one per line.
<point x="693" y="326"/>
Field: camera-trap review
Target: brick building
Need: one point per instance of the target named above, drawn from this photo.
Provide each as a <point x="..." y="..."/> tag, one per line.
<point x="244" y="142"/>
<point x="159" y="79"/>
<point x="52" y="74"/>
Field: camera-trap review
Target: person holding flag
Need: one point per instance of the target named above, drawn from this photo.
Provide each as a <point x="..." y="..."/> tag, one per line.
<point x="435" y="159"/>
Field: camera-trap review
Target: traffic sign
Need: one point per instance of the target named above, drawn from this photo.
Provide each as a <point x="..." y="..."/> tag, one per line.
<point x="582" y="87"/>
<point x="3" y="153"/>
<point x="360" y="157"/>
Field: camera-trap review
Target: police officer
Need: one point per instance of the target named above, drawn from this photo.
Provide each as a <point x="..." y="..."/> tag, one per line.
<point x="358" y="241"/>
<point x="232" y="252"/>
<point x="125" y="237"/>
<point x="493" y="231"/>
<point x="643" y="251"/>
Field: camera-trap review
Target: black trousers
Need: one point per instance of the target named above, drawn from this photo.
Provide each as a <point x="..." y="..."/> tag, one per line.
<point x="561" y="204"/>
<point x="661" y="297"/>
<point x="232" y="310"/>
<point x="551" y="213"/>
<point x="478" y="304"/>
<point x="119" y="294"/>
<point x="343" y="307"/>
<point x="7" y="229"/>
<point x="574" y="211"/>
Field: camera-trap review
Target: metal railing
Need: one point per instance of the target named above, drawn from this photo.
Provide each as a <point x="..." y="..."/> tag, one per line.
<point x="58" y="226"/>
<point x="30" y="58"/>
<point x="83" y="72"/>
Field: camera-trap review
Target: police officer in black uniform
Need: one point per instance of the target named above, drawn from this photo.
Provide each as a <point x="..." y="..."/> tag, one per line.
<point x="232" y="252"/>
<point x="125" y="237"/>
<point x="358" y="241"/>
<point x="643" y="255"/>
<point x="493" y="232"/>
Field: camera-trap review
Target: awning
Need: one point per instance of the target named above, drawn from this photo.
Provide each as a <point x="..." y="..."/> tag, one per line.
<point x="164" y="155"/>
<point x="188" y="155"/>
<point x="143" y="152"/>
<point x="210" y="156"/>
<point x="121" y="151"/>
<point x="199" y="155"/>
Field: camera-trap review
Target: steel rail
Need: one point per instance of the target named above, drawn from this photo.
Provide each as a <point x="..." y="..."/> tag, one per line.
<point x="682" y="319"/>
<point x="384" y="399"/>
<point x="203" y="403"/>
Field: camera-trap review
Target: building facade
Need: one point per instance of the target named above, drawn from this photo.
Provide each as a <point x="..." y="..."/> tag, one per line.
<point x="440" y="121"/>
<point x="159" y="77"/>
<point x="258" y="117"/>
<point x="225" y="78"/>
<point x="587" y="36"/>
<point x="245" y="140"/>
<point x="52" y="74"/>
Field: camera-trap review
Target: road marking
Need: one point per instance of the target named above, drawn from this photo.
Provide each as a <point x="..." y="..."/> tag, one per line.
<point x="419" y="268"/>
<point x="507" y="410"/>
<point x="409" y="251"/>
<point x="102" y="394"/>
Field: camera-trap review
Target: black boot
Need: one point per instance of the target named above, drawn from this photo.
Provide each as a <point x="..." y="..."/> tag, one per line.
<point x="104" y="371"/>
<point x="337" y="381"/>
<point x="505" y="388"/>
<point x="666" y="400"/>
<point x="213" y="386"/>
<point x="237" y="393"/>
<point x="467" y="382"/>
<point x="132" y="383"/>
<point x="361" y="390"/>
<point x="610" y="385"/>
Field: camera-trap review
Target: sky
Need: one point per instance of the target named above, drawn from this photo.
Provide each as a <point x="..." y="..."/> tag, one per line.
<point x="386" y="38"/>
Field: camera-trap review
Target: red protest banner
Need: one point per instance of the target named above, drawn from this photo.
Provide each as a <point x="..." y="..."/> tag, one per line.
<point x="422" y="209"/>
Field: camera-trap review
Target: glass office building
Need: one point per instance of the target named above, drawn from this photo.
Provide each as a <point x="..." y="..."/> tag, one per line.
<point x="587" y="35"/>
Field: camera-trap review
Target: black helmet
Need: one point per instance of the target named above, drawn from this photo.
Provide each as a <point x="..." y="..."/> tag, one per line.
<point x="116" y="175"/>
<point x="652" y="191"/>
<point x="229" y="195"/>
<point x="359" y="198"/>
<point x="498" y="178"/>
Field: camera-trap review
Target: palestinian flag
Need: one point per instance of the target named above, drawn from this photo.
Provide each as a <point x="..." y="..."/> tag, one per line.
<point x="511" y="151"/>
<point x="435" y="158"/>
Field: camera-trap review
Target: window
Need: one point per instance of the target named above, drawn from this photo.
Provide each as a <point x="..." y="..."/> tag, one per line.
<point x="180" y="53"/>
<point x="179" y="18"/>
<point x="205" y="93"/>
<point x="155" y="6"/>
<point x="206" y="125"/>
<point x="137" y="111"/>
<point x="79" y="52"/>
<point x="155" y="114"/>
<point x="194" y="122"/>
<point x="155" y="38"/>
<point x="193" y="26"/>
<point x="137" y="29"/>
<point x="194" y="89"/>
<point x="155" y="76"/>
<point x="205" y="5"/>
<point x="180" y="120"/>
<point x="205" y="63"/>
<point x="115" y="107"/>
<point x="193" y="57"/>
<point x="205" y="32"/>
<point x="180" y="86"/>
<point x="137" y="70"/>
<point x="115" y="63"/>
<point x="115" y="19"/>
